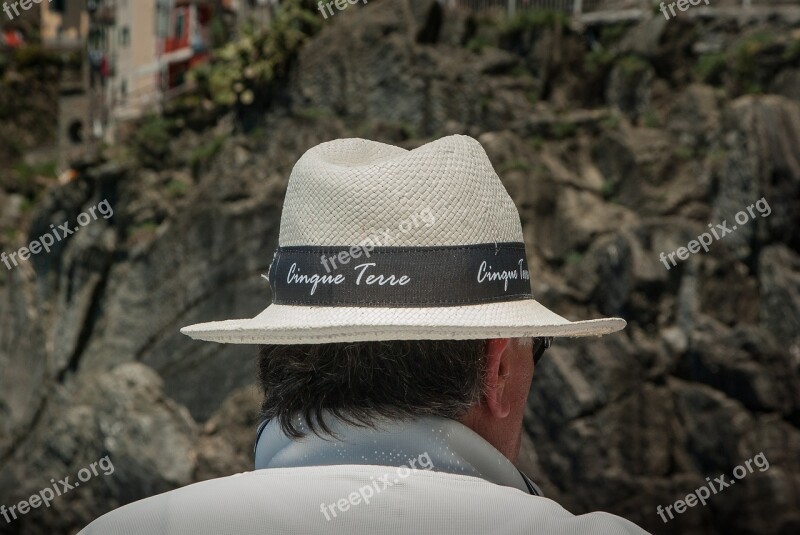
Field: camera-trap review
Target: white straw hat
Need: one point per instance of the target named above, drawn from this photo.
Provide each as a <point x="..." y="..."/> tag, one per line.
<point x="381" y="243"/>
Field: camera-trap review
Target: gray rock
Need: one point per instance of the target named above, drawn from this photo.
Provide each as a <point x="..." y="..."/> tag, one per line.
<point x="123" y="416"/>
<point x="779" y="282"/>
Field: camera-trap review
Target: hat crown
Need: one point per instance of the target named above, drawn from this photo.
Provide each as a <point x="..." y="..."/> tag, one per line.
<point x="351" y="191"/>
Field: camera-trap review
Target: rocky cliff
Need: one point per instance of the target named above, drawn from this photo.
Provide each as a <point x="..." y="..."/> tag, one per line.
<point x="618" y="139"/>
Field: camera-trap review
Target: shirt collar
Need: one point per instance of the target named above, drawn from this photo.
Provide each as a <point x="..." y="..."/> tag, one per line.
<point x="437" y="444"/>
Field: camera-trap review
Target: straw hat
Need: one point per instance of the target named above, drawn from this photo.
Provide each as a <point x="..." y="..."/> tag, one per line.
<point x="381" y="243"/>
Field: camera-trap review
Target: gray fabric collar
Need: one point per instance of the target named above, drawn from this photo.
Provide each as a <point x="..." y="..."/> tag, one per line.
<point x="450" y="446"/>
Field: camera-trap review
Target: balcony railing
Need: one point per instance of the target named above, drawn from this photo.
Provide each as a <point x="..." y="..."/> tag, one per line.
<point x="577" y="7"/>
<point x="105" y="15"/>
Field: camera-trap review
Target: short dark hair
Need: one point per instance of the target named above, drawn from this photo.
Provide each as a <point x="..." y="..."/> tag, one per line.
<point x="359" y="382"/>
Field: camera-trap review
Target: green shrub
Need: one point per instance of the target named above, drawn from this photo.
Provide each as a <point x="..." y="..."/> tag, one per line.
<point x="792" y="52"/>
<point x="611" y="122"/>
<point x="35" y="56"/>
<point x="632" y="67"/>
<point x="563" y="129"/>
<point x="746" y="61"/>
<point x="204" y="153"/>
<point x="651" y="119"/>
<point x="683" y="152"/>
<point x="477" y="43"/>
<point x="532" y="20"/>
<point x="533" y="96"/>
<point x="612" y="33"/>
<point x="311" y="113"/>
<point x="710" y="67"/>
<point x="255" y="61"/>
<point x="597" y="60"/>
<point x="537" y="142"/>
<point x="26" y="173"/>
<point x="177" y="189"/>
<point x="142" y="231"/>
<point x="574" y="257"/>
<point x="608" y="189"/>
<point x="150" y="141"/>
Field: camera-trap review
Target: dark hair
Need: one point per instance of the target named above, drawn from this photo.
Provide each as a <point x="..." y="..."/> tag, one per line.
<point x="360" y="381"/>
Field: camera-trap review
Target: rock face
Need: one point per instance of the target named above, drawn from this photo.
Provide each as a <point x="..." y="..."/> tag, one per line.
<point x="123" y="414"/>
<point x="618" y="143"/>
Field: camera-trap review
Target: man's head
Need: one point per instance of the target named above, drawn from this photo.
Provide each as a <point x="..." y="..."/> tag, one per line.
<point x="482" y="383"/>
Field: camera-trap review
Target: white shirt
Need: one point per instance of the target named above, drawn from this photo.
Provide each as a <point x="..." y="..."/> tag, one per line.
<point x="289" y="500"/>
<point x="430" y="475"/>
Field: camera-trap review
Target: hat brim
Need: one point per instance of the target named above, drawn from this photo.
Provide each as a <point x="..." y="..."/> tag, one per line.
<point x="285" y="324"/>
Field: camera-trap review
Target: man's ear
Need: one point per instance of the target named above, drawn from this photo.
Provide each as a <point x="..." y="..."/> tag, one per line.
<point x="497" y="370"/>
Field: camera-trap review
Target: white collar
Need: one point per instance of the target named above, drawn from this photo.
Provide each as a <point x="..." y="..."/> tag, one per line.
<point x="450" y="446"/>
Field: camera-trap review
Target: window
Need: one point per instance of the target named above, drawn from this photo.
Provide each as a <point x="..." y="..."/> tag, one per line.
<point x="162" y="18"/>
<point x="180" y="23"/>
<point x="124" y="36"/>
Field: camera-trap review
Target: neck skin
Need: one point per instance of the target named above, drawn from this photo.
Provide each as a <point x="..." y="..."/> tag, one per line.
<point x="436" y="444"/>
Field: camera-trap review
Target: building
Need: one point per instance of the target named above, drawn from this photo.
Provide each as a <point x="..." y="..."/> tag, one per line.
<point x="64" y="28"/>
<point x="124" y="38"/>
<point x="64" y="24"/>
<point x="187" y="42"/>
<point x="130" y="55"/>
<point x="150" y="45"/>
